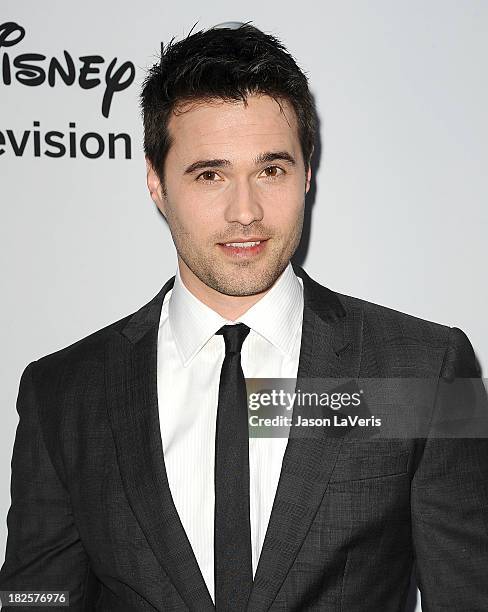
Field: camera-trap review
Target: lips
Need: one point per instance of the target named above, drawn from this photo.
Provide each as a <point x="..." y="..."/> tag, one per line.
<point x="240" y="247"/>
<point x="244" y="240"/>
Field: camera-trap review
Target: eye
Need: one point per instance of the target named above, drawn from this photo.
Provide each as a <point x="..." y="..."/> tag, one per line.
<point x="207" y="176"/>
<point x="276" y="172"/>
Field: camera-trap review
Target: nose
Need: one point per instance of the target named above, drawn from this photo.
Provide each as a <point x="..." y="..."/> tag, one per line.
<point x="243" y="206"/>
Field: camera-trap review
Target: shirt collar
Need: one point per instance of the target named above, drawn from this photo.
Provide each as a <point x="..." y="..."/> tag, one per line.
<point x="276" y="316"/>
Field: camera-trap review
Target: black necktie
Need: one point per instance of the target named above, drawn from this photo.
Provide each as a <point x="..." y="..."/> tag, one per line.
<point x="232" y="528"/>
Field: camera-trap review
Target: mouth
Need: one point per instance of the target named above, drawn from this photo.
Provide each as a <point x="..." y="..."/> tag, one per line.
<point x="244" y="248"/>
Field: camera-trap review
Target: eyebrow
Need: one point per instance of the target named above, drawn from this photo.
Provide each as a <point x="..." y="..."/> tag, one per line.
<point x="262" y="158"/>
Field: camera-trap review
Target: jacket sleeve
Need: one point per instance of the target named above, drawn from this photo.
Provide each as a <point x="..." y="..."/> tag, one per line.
<point x="44" y="551"/>
<point x="449" y="495"/>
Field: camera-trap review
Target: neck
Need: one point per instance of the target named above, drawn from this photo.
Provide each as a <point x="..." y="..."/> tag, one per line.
<point x="231" y="307"/>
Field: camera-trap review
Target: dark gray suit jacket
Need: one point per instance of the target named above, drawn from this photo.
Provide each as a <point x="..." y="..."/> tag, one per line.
<point x="92" y="512"/>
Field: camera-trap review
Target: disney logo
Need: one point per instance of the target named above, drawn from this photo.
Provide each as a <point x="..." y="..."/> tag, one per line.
<point x="34" y="69"/>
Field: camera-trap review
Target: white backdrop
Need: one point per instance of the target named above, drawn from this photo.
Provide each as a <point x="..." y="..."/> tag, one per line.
<point x="398" y="214"/>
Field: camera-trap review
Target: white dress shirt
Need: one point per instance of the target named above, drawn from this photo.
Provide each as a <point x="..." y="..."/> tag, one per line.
<point x="190" y="358"/>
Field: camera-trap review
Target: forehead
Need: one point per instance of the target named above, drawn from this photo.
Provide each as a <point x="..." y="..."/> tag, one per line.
<point x="206" y="124"/>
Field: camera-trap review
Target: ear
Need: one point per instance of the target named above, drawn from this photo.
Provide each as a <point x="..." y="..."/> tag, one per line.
<point x="309" y="176"/>
<point x="154" y="186"/>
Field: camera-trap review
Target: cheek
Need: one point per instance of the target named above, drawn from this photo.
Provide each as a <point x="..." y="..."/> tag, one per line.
<point x="283" y="211"/>
<point x="202" y="203"/>
<point x="197" y="220"/>
<point x="185" y="210"/>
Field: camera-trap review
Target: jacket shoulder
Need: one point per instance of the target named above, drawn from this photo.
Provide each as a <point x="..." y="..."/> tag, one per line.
<point x="388" y="324"/>
<point x="90" y="348"/>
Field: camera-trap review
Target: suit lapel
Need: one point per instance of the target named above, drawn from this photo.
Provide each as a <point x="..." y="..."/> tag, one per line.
<point x="131" y="367"/>
<point x="331" y="347"/>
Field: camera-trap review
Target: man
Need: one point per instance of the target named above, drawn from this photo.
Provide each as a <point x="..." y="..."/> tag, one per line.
<point x="135" y="485"/>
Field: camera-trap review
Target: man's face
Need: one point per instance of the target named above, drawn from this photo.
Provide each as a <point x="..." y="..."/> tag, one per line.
<point x="234" y="174"/>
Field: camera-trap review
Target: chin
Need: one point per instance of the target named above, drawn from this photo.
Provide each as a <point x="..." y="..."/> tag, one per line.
<point x="241" y="291"/>
<point x="244" y="282"/>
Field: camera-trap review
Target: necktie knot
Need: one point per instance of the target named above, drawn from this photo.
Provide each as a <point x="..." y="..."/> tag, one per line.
<point x="234" y="336"/>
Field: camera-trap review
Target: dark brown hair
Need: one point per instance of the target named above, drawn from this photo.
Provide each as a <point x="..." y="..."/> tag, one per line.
<point x="222" y="63"/>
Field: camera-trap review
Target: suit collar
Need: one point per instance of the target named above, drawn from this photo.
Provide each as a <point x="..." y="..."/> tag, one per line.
<point x="321" y="300"/>
<point x="148" y="316"/>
